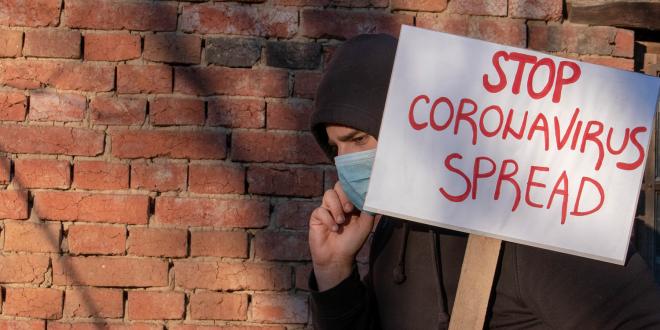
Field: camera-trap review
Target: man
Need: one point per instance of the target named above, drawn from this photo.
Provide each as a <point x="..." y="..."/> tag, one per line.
<point x="414" y="268"/>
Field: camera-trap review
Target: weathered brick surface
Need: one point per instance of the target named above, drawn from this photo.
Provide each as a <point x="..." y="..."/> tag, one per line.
<point x="52" y="43"/>
<point x="535" y="9"/>
<point x="293" y="55"/>
<point x="205" y="305"/>
<point x="293" y="114"/>
<point x="477" y="7"/>
<point x="158" y="176"/>
<point x="155" y="305"/>
<point x="232" y="244"/>
<point x="135" y="79"/>
<point x="112" y="46"/>
<point x="424" y="5"/>
<point x="100" y="175"/>
<point x="117" y="111"/>
<point x="13" y="106"/>
<point x="172" y="48"/>
<point x="96" y="239"/>
<point x="83" y="302"/>
<point x="263" y="146"/>
<point x="65" y="75"/>
<point x="5" y="168"/>
<point x="216" y="275"/>
<point x="216" y="178"/>
<point x="241" y="20"/>
<point x="35" y="13"/>
<point x="51" y="140"/>
<point x="215" y="80"/>
<point x="173" y="144"/>
<point x="279" y="308"/>
<point x="117" y="15"/>
<point x="504" y="31"/>
<point x="11" y="43"/>
<point x="176" y="111"/>
<point x="23" y="268"/>
<point x="233" y="52"/>
<point x="305" y="84"/>
<point x="109" y="271"/>
<point x="80" y="206"/>
<point x="201" y="212"/>
<point x="32" y="237"/>
<point x="157" y="242"/>
<point x="44" y="303"/>
<point x="289" y="245"/>
<point x="42" y="173"/>
<point x="13" y="204"/>
<point x="64" y="325"/>
<point x="292" y="214"/>
<point x="57" y="107"/>
<point x="237" y="112"/>
<point x="22" y="324"/>
<point x="317" y="23"/>
<point x="285" y="181"/>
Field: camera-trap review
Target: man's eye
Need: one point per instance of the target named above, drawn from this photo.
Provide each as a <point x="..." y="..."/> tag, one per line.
<point x="360" y="139"/>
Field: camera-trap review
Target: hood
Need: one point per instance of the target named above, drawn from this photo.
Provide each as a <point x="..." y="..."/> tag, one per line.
<point x="353" y="89"/>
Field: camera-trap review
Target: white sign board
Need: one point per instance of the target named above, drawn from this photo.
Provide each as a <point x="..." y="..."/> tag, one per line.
<point x="513" y="144"/>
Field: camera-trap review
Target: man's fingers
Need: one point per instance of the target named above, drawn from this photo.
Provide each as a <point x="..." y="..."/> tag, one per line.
<point x="343" y="198"/>
<point x="324" y="216"/>
<point x="332" y="203"/>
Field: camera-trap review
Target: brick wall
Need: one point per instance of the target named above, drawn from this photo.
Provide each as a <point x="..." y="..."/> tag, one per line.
<point x="155" y="168"/>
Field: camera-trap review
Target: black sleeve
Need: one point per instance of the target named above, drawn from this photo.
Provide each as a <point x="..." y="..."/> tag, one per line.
<point x="570" y="292"/>
<point x="348" y="305"/>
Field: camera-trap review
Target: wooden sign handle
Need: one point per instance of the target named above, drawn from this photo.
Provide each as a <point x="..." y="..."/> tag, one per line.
<point x="474" y="285"/>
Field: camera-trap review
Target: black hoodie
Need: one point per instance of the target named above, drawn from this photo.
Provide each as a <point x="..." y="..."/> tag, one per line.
<point x="414" y="268"/>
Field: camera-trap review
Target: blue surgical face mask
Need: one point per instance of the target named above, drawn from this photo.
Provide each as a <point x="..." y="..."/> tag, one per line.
<point x="354" y="171"/>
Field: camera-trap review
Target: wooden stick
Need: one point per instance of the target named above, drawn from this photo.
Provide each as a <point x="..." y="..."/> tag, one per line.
<point x="481" y="257"/>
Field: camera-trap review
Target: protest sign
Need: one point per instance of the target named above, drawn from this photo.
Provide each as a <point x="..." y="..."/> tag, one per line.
<point x="513" y="144"/>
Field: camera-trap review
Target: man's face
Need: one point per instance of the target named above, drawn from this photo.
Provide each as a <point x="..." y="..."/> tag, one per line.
<point x="346" y="140"/>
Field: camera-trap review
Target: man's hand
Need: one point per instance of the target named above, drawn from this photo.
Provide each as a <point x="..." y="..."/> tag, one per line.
<point x="337" y="231"/>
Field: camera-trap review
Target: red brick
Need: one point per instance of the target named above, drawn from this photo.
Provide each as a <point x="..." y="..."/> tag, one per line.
<point x="110" y="271"/>
<point x="286" y="246"/>
<point x="216" y="178"/>
<point x="276" y="147"/>
<point x="64" y="75"/>
<point x="206" y="305"/>
<point x="292" y="114"/>
<point x="100" y="175"/>
<point x="79" y="206"/>
<point x="536" y="9"/>
<point x="133" y="79"/>
<point x="454" y="24"/>
<point x="5" y="167"/>
<point x="52" y="43"/>
<point x="214" y="80"/>
<point x="231" y="244"/>
<point x="174" y="144"/>
<point x="32" y="237"/>
<point x="292" y="214"/>
<point x="172" y="48"/>
<point x="176" y="111"/>
<point x="343" y="24"/>
<point x="25" y="268"/>
<point x="330" y="178"/>
<point x="13" y="106"/>
<point x="216" y="275"/>
<point x="83" y="302"/>
<point x="103" y="326"/>
<point x="477" y="7"/>
<point x="11" y="43"/>
<point x="112" y="46"/>
<point x="156" y="242"/>
<point x="117" y="111"/>
<point x="241" y="113"/>
<point x="424" y="5"/>
<point x="13" y="204"/>
<point x="306" y="83"/>
<point x="285" y="181"/>
<point x="505" y="31"/>
<point x="279" y="308"/>
<point x="572" y="38"/>
<point x="44" y="303"/>
<point x="201" y="212"/>
<point x="51" y="106"/>
<point x="42" y="173"/>
<point x="33" y="13"/>
<point x="243" y="20"/>
<point x="302" y="276"/>
<point x="118" y="15"/>
<point x="22" y="324"/>
<point x="158" y="176"/>
<point x="624" y="43"/>
<point x="613" y="62"/>
<point x="96" y="239"/>
<point x="224" y="327"/>
<point x="155" y="305"/>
